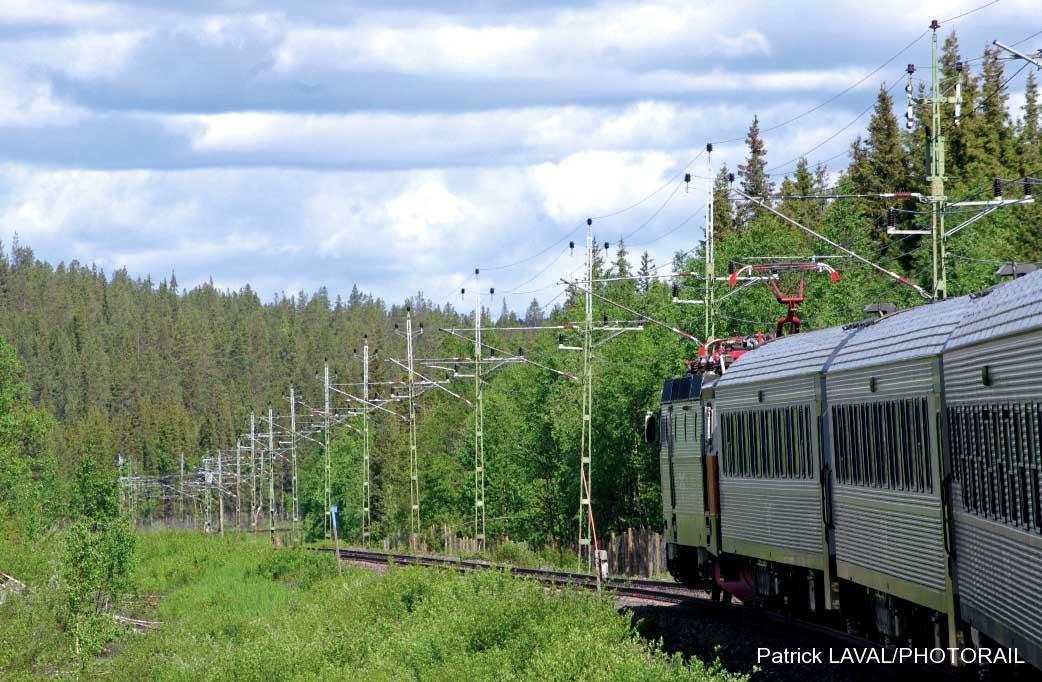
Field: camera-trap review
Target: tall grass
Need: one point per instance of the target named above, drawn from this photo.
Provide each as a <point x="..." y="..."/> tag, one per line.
<point x="235" y="609"/>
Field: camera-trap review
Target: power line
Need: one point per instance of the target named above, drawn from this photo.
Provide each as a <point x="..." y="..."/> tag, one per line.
<point x="830" y="137"/>
<point x="838" y="94"/>
<point x="969" y="12"/>
<point x="653" y="215"/>
<point x="575" y="229"/>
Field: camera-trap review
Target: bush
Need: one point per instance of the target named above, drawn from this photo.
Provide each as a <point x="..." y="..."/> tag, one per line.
<point x="96" y="562"/>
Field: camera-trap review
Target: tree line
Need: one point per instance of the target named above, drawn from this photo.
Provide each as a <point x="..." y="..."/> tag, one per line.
<point x="110" y="365"/>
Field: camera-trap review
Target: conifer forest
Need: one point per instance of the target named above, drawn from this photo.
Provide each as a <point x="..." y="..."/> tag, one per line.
<point x="113" y="374"/>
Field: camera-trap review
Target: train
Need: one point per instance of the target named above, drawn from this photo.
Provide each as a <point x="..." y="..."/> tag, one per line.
<point x="884" y="474"/>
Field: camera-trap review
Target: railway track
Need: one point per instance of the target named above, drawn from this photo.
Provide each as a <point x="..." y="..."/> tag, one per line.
<point x="698" y="604"/>
<point x="638" y="588"/>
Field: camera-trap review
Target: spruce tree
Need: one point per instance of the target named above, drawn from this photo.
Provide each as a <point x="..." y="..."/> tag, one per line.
<point x="753" y="173"/>
<point x="646" y="271"/>
<point x="1029" y="137"/>
<point x="723" y="209"/>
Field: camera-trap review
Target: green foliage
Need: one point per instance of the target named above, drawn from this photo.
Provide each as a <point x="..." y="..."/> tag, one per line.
<point x="148" y="371"/>
<point x="26" y="466"/>
<point x="96" y="560"/>
<point x="250" y="613"/>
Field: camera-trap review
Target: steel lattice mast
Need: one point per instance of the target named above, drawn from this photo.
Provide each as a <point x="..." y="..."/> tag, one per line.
<point x="253" y="470"/>
<point x="710" y="248"/>
<point x="586" y="439"/>
<point x="479" y="424"/>
<point x="271" y="475"/>
<point x="325" y="449"/>
<point x="367" y="522"/>
<point x="293" y="456"/>
<point x="414" y="477"/>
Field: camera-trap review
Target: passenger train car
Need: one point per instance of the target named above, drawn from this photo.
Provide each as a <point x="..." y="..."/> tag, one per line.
<point x="888" y="471"/>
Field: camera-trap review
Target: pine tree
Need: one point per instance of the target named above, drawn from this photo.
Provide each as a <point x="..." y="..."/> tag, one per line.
<point x="646" y="271"/>
<point x="802" y="183"/>
<point x="753" y="173"/>
<point x="1029" y="136"/>
<point x="880" y="164"/>
<point x="534" y="314"/>
<point x="723" y="210"/>
<point x="990" y="143"/>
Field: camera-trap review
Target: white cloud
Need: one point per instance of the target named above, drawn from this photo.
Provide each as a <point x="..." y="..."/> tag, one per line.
<point x="26" y="102"/>
<point x="589" y="183"/>
<point x="83" y="55"/>
<point x="18" y="12"/>
<point x="599" y="36"/>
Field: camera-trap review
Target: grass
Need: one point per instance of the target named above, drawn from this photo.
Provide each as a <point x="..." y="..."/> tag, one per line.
<point x="235" y="609"/>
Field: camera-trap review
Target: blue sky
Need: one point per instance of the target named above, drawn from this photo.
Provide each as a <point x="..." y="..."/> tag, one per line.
<point x="398" y="145"/>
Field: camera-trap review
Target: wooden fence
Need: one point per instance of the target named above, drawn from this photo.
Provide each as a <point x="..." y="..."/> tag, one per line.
<point x="633" y="552"/>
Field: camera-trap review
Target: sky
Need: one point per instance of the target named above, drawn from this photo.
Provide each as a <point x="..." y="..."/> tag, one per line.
<point x="399" y="145"/>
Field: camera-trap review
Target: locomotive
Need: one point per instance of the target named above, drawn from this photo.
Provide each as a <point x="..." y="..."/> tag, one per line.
<point x="885" y="474"/>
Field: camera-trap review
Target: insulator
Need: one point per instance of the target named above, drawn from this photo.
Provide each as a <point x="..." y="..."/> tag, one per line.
<point x="605" y="318"/>
<point x="395" y="326"/>
<point x="959" y="67"/>
<point x="891" y="217"/>
<point x="996" y="188"/>
<point x="606" y="246"/>
<point x="958" y="102"/>
<point x="1028" y="188"/>
<point x="476" y="272"/>
<point x="408" y="308"/>
<point x="676" y="290"/>
<point x="730" y="177"/>
<point x="589" y="221"/>
<point x="354" y="351"/>
<point x="462" y="291"/>
<point x="560" y="339"/>
<point x="687" y="178"/>
<point x="421" y="326"/>
<point x="491" y="291"/>
<point x="520" y="352"/>
<point x="571" y="246"/>
<point x="709" y="147"/>
<point x="910" y="69"/>
<point x="365" y="336"/>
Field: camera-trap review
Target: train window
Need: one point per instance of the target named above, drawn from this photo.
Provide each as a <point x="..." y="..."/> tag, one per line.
<point x="884" y="444"/>
<point x="767" y="443"/>
<point x="997" y="459"/>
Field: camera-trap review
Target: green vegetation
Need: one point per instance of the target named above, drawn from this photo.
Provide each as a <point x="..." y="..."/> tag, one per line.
<point x="113" y="367"/>
<point x="236" y="609"/>
<point x="149" y="371"/>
